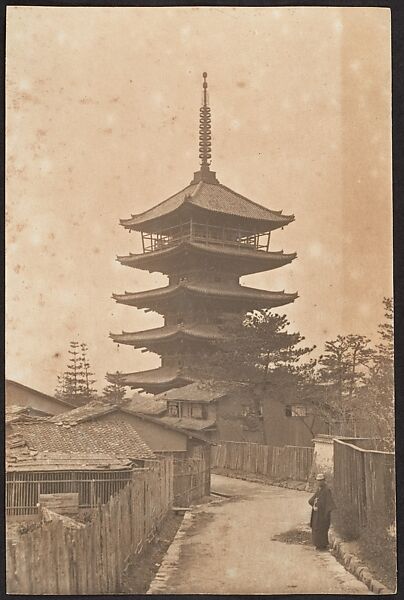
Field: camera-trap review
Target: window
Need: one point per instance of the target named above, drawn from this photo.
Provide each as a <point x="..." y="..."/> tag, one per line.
<point x="185" y="410"/>
<point x="296" y="410"/>
<point x="173" y="409"/>
<point x="197" y="411"/>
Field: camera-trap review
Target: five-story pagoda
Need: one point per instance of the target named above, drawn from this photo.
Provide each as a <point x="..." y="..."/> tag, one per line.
<point x="204" y="238"/>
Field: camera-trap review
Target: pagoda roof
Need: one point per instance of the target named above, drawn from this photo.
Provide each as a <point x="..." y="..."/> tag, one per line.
<point x="154" y="380"/>
<point x="214" y="198"/>
<point x="248" y="259"/>
<point x="169" y="332"/>
<point x="238" y="292"/>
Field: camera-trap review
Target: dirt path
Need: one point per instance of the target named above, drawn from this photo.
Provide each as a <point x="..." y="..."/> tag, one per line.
<point x="230" y="550"/>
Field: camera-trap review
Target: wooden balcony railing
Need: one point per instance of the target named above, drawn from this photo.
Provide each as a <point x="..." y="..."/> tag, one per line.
<point x="205" y="234"/>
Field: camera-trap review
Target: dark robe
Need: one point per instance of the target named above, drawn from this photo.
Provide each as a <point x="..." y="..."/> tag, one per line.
<point x="321" y="518"/>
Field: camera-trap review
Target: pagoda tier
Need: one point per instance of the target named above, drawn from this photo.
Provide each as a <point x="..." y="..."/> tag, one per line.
<point x="186" y="253"/>
<point x="229" y="298"/>
<point x="153" y="381"/>
<point x="174" y="336"/>
<point x="208" y="203"/>
<point x="205" y="238"/>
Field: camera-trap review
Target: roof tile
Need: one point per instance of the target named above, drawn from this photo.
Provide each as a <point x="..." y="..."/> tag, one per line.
<point x="114" y="435"/>
<point x="213" y="197"/>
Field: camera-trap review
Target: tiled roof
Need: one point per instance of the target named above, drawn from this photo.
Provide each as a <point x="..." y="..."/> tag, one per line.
<point x="215" y="198"/>
<point x="23" y="459"/>
<point x="114" y="436"/>
<point x="240" y="292"/>
<point x="160" y="376"/>
<point x="201" y="391"/>
<point x="256" y="259"/>
<point x="91" y="410"/>
<point x="200" y="332"/>
<point x="146" y="405"/>
<point x="189" y="423"/>
<point x="16" y="413"/>
<point x="171" y="423"/>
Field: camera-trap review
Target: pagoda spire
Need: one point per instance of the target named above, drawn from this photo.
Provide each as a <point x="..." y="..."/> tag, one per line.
<point x="205" y="138"/>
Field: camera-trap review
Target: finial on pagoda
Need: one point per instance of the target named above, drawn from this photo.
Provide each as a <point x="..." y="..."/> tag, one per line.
<point x="205" y="139"/>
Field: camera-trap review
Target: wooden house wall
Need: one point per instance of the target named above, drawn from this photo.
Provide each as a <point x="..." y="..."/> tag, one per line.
<point x="232" y="425"/>
<point x="281" y="430"/>
<point x="20" y="396"/>
<point x="274" y="428"/>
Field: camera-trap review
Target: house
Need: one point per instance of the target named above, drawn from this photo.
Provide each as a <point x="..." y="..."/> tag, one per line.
<point x="83" y="453"/>
<point x="225" y="411"/>
<point x="21" y="395"/>
<point x="218" y="409"/>
<point x="87" y="432"/>
<point x="164" y="439"/>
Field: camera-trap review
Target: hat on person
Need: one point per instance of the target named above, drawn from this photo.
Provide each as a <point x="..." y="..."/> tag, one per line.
<point x="320" y="477"/>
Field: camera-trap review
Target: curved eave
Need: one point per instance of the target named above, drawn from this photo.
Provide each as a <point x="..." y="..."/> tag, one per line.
<point x="241" y="295"/>
<point x="248" y="260"/>
<point x="157" y="223"/>
<point x="154" y="381"/>
<point x="141" y="339"/>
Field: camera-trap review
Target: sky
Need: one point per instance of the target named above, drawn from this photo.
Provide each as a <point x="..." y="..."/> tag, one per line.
<point x="102" y="122"/>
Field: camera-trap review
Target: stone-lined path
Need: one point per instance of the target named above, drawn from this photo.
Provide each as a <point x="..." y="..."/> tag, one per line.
<point x="227" y="548"/>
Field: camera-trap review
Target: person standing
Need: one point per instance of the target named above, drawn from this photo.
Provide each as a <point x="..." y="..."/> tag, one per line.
<point x="322" y="504"/>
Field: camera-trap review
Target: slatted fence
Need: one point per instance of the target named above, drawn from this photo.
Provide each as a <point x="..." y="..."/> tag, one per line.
<point x="56" y="560"/>
<point x="365" y="482"/>
<point x="276" y="463"/>
<point x="24" y="488"/>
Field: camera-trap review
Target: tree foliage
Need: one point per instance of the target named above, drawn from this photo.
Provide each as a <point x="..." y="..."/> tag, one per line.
<point x="378" y="393"/>
<point x="76" y="383"/>
<point x="114" y="392"/>
<point x="254" y="350"/>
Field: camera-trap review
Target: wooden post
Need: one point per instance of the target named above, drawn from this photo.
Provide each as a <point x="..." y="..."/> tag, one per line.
<point x="92" y="498"/>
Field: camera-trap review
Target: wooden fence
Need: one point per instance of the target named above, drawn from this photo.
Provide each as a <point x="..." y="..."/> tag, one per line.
<point x="192" y="476"/>
<point x="364" y="480"/>
<point x="54" y="559"/>
<point x="277" y="463"/>
<point x="24" y="488"/>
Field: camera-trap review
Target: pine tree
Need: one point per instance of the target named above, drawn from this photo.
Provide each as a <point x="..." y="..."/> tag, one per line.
<point x="75" y="385"/>
<point x="342" y="372"/>
<point x="88" y="391"/>
<point x="378" y="391"/>
<point x="259" y="351"/>
<point x="114" y="392"/>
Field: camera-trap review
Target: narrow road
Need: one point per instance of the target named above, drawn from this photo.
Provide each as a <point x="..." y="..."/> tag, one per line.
<point x="229" y="548"/>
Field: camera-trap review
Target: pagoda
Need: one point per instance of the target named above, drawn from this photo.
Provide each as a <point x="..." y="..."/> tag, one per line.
<point x="204" y="238"/>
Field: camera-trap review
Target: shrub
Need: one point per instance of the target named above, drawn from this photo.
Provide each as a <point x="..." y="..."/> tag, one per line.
<point x="344" y="519"/>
